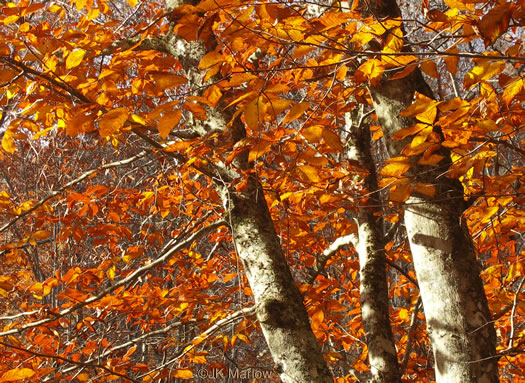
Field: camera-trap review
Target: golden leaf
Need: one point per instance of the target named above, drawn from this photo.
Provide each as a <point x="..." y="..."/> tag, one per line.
<point x="310" y="172"/>
<point x="211" y="59"/>
<point x="400" y="193"/>
<point x="313" y="133"/>
<point x="259" y="148"/>
<point x="485" y="70"/>
<point x="165" y="81"/>
<point x="17" y="374"/>
<point x="452" y="61"/>
<point x="296" y="111"/>
<point x="75" y="58"/>
<point x="430" y="68"/>
<point x="8" y="143"/>
<point x="111" y="122"/>
<point x="396" y="167"/>
<point x="168" y="121"/>
<point x="332" y="140"/>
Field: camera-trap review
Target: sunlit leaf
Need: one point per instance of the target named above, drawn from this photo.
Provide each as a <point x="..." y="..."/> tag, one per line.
<point x="396" y="167"/>
<point x="425" y="189"/>
<point x="483" y="71"/>
<point x="313" y="133"/>
<point x="311" y="174"/>
<point x="333" y="140"/>
<point x="451" y="61"/>
<point x="75" y="58"/>
<point x="111" y="122"/>
<point x="8" y="143"/>
<point x="258" y="149"/>
<point x="168" y="121"/>
<point x="17" y="374"/>
<point x="296" y="111"/>
<point x="430" y="68"/>
<point x="211" y="59"/>
<point x="400" y="193"/>
<point x="371" y="70"/>
<point x="183" y="374"/>
<point x="165" y="81"/>
<point x="512" y="89"/>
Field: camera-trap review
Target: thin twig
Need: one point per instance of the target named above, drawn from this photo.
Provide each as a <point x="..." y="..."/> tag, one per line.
<point x="163" y="257"/>
<point x="72" y="183"/>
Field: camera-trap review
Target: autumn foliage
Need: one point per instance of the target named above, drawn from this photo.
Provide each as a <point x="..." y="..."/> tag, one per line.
<point x="117" y="263"/>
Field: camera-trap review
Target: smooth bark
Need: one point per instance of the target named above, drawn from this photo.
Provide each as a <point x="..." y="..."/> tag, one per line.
<point x="382" y="354"/>
<point x="458" y="319"/>
<point x="279" y="304"/>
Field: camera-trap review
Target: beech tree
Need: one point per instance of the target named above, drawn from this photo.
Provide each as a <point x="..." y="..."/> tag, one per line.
<point x="269" y="191"/>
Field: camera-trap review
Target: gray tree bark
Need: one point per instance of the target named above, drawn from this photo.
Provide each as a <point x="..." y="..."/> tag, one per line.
<point x="456" y="309"/>
<point x="370" y="246"/>
<point x="279" y="304"/>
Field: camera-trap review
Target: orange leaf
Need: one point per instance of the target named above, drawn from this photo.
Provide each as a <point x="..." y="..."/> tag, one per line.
<point x="132" y="349"/>
<point x="396" y="167"/>
<point x="212" y="94"/>
<point x="313" y="133"/>
<point x="75" y="58"/>
<point x="452" y="61"/>
<point x="41" y="235"/>
<point x="485" y="70"/>
<point x="488" y="125"/>
<point x="430" y="68"/>
<point x="183" y="374"/>
<point x="32" y="8"/>
<point x="430" y="160"/>
<point x="211" y="59"/>
<point x="423" y="108"/>
<point x="8" y="143"/>
<point x="461" y="5"/>
<point x="251" y="114"/>
<point x="332" y="140"/>
<point x="317" y="319"/>
<point x="17" y="374"/>
<point x="425" y="189"/>
<point x="371" y="70"/>
<point x="495" y="22"/>
<point x="197" y="110"/>
<point x="239" y="78"/>
<point x="407" y="70"/>
<point x="405" y="132"/>
<point x="437" y="16"/>
<point x="276" y="107"/>
<point x="259" y="149"/>
<point x="296" y="111"/>
<point x="394" y="41"/>
<point x="111" y="122"/>
<point x="400" y="193"/>
<point x="11" y="19"/>
<point x="167" y="80"/>
<point x="168" y="121"/>
<point x="310" y="172"/>
<point x="240" y="98"/>
<point x="512" y="90"/>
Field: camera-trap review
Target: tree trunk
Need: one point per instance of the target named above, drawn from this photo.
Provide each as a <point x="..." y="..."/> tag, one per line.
<point x="382" y="354"/>
<point x="456" y="309"/>
<point x="280" y="308"/>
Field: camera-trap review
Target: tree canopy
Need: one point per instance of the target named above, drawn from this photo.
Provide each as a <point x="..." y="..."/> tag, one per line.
<point x="166" y="167"/>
